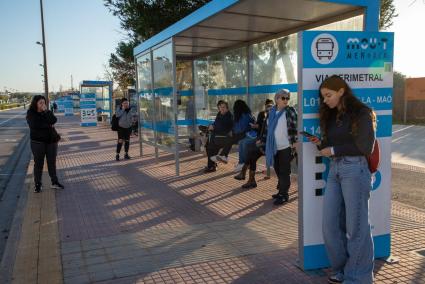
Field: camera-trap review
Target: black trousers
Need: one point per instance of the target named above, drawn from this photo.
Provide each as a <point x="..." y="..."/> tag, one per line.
<point x="124" y="134"/>
<point x="282" y="167"/>
<point x="214" y="145"/>
<point x="254" y="153"/>
<point x="230" y="142"/>
<point x="41" y="150"/>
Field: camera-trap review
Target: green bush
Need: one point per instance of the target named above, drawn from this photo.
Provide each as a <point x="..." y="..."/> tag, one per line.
<point x="8" y="106"/>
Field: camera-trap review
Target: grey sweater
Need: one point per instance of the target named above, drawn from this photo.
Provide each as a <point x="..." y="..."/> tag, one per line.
<point x="125" y="117"/>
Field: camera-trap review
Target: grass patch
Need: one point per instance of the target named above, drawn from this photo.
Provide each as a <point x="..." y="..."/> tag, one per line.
<point x="8" y="106"/>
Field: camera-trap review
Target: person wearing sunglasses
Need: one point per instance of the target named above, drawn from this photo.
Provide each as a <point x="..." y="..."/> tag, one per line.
<point x="280" y="143"/>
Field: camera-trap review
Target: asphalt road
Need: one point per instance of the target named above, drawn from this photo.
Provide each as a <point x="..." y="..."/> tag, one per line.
<point x="13" y="128"/>
<point x="14" y="158"/>
<point x="408" y="164"/>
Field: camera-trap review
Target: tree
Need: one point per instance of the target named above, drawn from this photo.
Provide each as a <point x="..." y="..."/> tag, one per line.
<point x="142" y="20"/>
<point x="122" y="65"/>
<point x="388" y="13"/>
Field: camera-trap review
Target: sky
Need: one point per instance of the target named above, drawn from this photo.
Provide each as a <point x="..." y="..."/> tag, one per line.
<point x="409" y="45"/>
<point x="81" y="35"/>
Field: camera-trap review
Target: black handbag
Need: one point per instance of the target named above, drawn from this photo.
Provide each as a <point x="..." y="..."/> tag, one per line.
<point x="55" y="137"/>
<point x="114" y="123"/>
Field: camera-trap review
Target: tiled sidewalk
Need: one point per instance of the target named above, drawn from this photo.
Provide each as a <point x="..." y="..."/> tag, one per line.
<point x="135" y="221"/>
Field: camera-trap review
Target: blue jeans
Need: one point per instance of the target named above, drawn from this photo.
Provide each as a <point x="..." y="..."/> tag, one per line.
<point x="346" y="227"/>
<point x="244" y="144"/>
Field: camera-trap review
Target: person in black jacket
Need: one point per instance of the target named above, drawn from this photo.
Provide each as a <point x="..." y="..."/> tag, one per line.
<point x="221" y="129"/>
<point x="44" y="141"/>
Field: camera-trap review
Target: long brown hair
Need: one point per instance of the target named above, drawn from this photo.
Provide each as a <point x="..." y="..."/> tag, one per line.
<point x="350" y="105"/>
<point x="35" y="99"/>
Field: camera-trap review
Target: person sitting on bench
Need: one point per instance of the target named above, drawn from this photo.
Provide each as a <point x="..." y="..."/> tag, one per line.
<point x="220" y="134"/>
<point x="241" y="125"/>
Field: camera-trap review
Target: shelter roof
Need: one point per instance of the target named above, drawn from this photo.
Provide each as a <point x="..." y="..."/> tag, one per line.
<point x="222" y="24"/>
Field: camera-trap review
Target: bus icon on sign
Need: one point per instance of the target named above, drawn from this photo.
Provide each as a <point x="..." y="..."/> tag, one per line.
<point x="325" y="48"/>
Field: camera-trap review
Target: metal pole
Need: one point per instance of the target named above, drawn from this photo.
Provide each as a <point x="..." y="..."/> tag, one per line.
<point x="155" y="135"/>
<point x="175" y="107"/>
<point x="46" y="82"/>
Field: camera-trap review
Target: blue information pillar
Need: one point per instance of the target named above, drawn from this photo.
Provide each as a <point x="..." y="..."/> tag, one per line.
<point x="364" y="60"/>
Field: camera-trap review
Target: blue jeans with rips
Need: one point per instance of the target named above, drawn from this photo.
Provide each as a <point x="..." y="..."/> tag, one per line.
<point x="244" y="145"/>
<point x="346" y="227"/>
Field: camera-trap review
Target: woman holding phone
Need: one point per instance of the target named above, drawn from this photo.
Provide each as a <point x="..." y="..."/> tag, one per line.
<point x="44" y="141"/>
<point x="348" y="135"/>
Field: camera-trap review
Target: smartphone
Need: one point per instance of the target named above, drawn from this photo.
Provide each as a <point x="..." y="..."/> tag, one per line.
<point x="308" y="135"/>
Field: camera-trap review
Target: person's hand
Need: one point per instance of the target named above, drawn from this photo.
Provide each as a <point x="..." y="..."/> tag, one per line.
<point x="211" y="127"/>
<point x="253" y="125"/>
<point x="258" y="142"/>
<point x="316" y="141"/>
<point x="326" y="152"/>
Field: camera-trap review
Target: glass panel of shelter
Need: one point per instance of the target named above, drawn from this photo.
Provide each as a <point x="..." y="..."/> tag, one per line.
<point x="146" y="109"/>
<point x="163" y="95"/>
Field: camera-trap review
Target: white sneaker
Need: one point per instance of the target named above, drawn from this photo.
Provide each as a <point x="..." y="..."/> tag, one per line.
<point x="222" y="159"/>
<point x="238" y="168"/>
<point x="214" y="159"/>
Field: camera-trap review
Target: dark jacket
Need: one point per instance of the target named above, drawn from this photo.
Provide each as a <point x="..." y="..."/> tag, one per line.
<point x="223" y="124"/>
<point x="340" y="136"/>
<point x="41" y="124"/>
<point x="243" y="124"/>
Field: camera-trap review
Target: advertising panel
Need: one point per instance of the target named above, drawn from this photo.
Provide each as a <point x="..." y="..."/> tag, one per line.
<point x="61" y="104"/>
<point x="364" y="60"/>
<point x="68" y="105"/>
<point x="88" y="109"/>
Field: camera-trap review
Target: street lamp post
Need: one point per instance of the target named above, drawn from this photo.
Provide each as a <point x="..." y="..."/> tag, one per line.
<point x="43" y="44"/>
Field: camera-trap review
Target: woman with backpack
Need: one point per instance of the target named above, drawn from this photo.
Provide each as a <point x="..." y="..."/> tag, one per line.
<point x="348" y="135"/>
<point x="44" y="141"/>
<point x="125" y="121"/>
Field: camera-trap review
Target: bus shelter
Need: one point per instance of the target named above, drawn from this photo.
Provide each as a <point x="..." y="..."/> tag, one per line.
<point x="248" y="49"/>
<point x="103" y="93"/>
<point x="228" y="50"/>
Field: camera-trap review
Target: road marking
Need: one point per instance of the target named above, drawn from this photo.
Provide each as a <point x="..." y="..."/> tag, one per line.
<point x="11" y="118"/>
<point x="399" y="138"/>
<point x="407" y="127"/>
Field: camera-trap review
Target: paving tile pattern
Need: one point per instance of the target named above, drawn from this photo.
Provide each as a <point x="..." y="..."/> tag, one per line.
<point x="136" y="222"/>
<point x="38" y="257"/>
